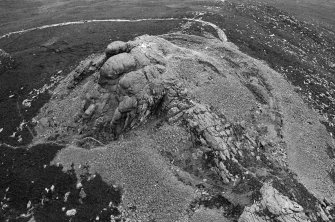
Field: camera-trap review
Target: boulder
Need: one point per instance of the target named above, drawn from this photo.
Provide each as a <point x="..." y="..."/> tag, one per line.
<point x="71" y="213"/>
<point x="90" y="110"/>
<point x="127" y="104"/>
<point x="117" y="65"/>
<point x="116" y="117"/>
<point x="133" y="82"/>
<point x="44" y="121"/>
<point x="276" y="206"/>
<point x="115" y="48"/>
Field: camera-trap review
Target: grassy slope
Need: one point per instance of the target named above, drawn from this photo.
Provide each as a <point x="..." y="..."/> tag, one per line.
<point x="15" y="15"/>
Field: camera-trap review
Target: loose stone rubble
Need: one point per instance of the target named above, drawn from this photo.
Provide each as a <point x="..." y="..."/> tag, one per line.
<point x="133" y="82"/>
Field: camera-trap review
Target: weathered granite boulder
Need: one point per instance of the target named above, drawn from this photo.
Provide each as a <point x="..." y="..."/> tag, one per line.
<point x="117" y="65"/>
<point x="116" y="47"/>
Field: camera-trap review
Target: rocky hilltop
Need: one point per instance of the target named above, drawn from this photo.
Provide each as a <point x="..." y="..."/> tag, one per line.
<point x="192" y="129"/>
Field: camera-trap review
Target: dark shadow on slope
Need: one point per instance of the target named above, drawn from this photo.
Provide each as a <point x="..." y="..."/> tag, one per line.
<point x="31" y="186"/>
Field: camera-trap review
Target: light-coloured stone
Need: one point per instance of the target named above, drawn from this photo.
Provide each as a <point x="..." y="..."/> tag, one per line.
<point x="71" y="213"/>
<point x="278" y="205"/>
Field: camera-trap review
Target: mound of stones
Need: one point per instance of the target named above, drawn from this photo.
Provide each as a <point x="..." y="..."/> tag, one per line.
<point x="121" y="89"/>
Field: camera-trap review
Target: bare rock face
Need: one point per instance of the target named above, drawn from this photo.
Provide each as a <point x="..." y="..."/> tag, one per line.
<point x="234" y="121"/>
<point x="6" y="61"/>
<point x="273" y="206"/>
<point x="86" y="68"/>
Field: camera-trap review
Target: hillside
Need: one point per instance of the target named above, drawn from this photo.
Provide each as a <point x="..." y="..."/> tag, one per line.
<point x="189" y="127"/>
<point x="167" y="111"/>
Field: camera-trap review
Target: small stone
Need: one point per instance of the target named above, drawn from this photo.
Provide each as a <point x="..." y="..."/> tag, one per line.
<point x="329" y="208"/>
<point x="224" y="147"/>
<point x="223" y="134"/>
<point x="184" y="92"/>
<point x="117" y="115"/>
<point x="222" y="166"/>
<point x="44" y="121"/>
<point x="327" y="201"/>
<point x="28" y="204"/>
<point x="193" y="123"/>
<point x="227" y="125"/>
<point x="66" y="196"/>
<point x="222" y="156"/>
<point x="323" y="214"/>
<point x="224" y="177"/>
<point x="79" y="185"/>
<point x="203" y="141"/>
<point x="127" y="104"/>
<point x="90" y="110"/>
<point x="173" y="111"/>
<point x="71" y="213"/>
<point x="82" y="194"/>
<point x="175" y="118"/>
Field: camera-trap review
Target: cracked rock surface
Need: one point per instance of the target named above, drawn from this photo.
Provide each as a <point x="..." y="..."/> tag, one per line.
<point x="193" y="130"/>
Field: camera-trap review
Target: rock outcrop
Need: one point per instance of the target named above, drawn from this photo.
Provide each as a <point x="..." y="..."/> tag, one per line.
<point x="229" y="105"/>
<point x="273" y="206"/>
<point x="6" y="61"/>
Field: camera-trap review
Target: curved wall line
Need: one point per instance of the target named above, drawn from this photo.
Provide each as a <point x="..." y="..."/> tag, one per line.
<point x="219" y="31"/>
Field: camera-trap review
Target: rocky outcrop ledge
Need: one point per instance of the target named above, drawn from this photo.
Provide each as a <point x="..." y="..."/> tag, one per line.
<point x="230" y="106"/>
